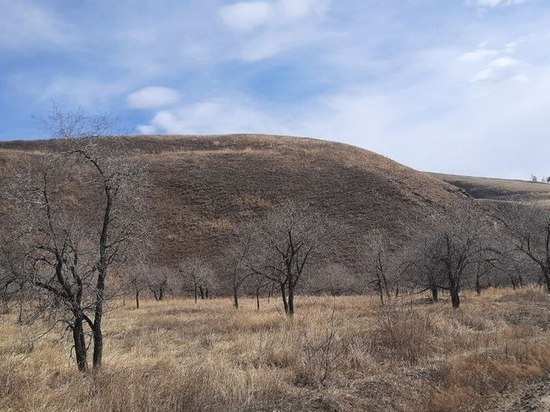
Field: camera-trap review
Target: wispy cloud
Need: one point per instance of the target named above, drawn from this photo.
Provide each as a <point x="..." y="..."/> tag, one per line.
<point x="267" y="28"/>
<point x="153" y="97"/>
<point x="494" y="64"/>
<point x="494" y="3"/>
<point x="26" y="24"/>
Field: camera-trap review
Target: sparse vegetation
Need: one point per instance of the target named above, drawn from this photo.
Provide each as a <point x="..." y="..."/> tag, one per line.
<point x="339" y="354"/>
<point x="408" y="236"/>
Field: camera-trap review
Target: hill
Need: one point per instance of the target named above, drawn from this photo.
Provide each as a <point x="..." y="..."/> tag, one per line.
<point x="493" y="189"/>
<point x="200" y="186"/>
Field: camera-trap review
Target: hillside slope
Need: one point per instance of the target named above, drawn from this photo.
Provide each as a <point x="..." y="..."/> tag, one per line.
<point x="200" y="186"/>
<point x="493" y="189"/>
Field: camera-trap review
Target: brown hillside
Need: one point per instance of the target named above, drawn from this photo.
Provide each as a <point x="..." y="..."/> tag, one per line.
<point x="201" y="186"/>
<point x="493" y="189"/>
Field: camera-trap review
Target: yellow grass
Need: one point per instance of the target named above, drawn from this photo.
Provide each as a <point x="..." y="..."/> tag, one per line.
<point x="338" y="354"/>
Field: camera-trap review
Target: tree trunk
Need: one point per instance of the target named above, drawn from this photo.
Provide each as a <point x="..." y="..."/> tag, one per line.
<point x="283" y="295"/>
<point x="547" y="280"/>
<point x="235" y="298"/>
<point x="478" y="285"/>
<point x="453" y="290"/>
<point x="137" y="299"/>
<point x="98" y="345"/>
<point x="386" y="287"/>
<point x="201" y="290"/>
<point x="435" y="293"/>
<point x="80" y="345"/>
<point x="380" y="289"/>
<point x="98" y="318"/>
<point x="195" y="291"/>
<point x="258" y="299"/>
<point x="290" y="299"/>
<point x="20" y="317"/>
<point x="455" y="298"/>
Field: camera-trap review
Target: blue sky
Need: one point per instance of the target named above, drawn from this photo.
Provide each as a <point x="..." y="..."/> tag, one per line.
<point x="457" y="86"/>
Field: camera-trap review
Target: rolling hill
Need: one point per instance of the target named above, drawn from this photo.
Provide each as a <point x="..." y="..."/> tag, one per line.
<point x="492" y="189"/>
<point x="200" y="186"/>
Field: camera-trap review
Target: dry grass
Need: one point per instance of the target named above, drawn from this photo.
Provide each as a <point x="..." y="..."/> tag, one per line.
<point x="338" y="354"/>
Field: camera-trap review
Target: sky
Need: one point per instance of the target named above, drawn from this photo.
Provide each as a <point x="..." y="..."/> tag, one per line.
<point x="454" y="86"/>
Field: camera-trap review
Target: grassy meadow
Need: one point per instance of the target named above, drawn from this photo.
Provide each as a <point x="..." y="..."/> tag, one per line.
<point x="337" y="354"/>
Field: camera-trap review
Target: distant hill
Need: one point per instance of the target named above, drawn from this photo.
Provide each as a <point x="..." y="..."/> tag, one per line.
<point x="200" y="186"/>
<point x="492" y="189"/>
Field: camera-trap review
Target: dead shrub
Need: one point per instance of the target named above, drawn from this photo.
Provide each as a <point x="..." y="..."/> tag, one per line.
<point x="402" y="333"/>
<point x="322" y="354"/>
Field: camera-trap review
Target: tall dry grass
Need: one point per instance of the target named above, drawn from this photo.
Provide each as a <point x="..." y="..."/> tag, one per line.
<point x="337" y="354"/>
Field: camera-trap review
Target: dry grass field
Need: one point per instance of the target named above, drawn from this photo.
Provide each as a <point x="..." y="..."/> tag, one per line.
<point x="337" y="354"/>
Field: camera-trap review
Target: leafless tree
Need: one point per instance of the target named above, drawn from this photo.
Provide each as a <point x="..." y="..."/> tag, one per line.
<point x="159" y="281"/>
<point x="289" y="238"/>
<point x="449" y="248"/>
<point x="12" y="266"/>
<point x="235" y="260"/>
<point x="200" y="275"/>
<point x="77" y="206"/>
<point x="256" y="284"/>
<point x="333" y="279"/>
<point x="136" y="281"/>
<point x="531" y="229"/>
<point x="375" y="257"/>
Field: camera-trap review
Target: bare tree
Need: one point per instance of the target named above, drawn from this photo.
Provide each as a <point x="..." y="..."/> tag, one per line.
<point x="78" y="207"/>
<point x="421" y="271"/>
<point x="136" y="281"/>
<point x="450" y="248"/>
<point x="256" y="284"/>
<point x="235" y="260"/>
<point x="289" y="239"/>
<point x="375" y="258"/>
<point x="159" y="281"/>
<point x="334" y="279"/>
<point x="531" y="229"/>
<point x="12" y="267"/>
<point x="200" y="275"/>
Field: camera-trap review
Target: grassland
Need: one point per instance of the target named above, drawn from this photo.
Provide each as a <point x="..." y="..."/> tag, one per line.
<point x="337" y="354"/>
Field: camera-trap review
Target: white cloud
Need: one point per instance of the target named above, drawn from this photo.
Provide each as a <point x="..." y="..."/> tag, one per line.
<point x="246" y="15"/>
<point x="297" y="9"/>
<point x="277" y="25"/>
<point x="493" y="64"/>
<point x="25" y="24"/>
<point x="153" y="97"/>
<point x="494" y="3"/>
<point x="477" y="55"/>
<point x="82" y="91"/>
<point x="215" y="116"/>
